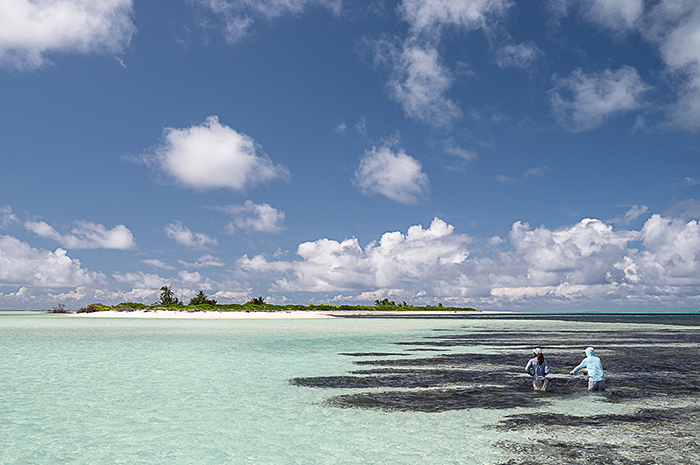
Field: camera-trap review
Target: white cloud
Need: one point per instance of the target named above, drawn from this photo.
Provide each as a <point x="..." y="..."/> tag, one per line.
<point x="212" y="155"/>
<point x="184" y="236"/>
<point x="463" y="156"/>
<point x="233" y="296"/>
<point x="686" y="208"/>
<point x="674" y="25"/>
<point x="615" y="16"/>
<point x="583" y="101"/>
<point x="580" y="254"/>
<point x="459" y="152"/>
<point x="432" y="16"/>
<point x="86" y="235"/>
<point x="419" y="83"/>
<point x="630" y="215"/>
<point x="239" y="16"/>
<point x="31" y="29"/>
<point x="361" y="126"/>
<point x="190" y="278"/>
<point x="76" y="294"/>
<point x="672" y="255"/>
<point x="141" y="280"/>
<point x="520" y="56"/>
<point x="535" y="172"/>
<point x="23" y="265"/>
<point x="397" y="176"/>
<point x="158" y="264"/>
<point x="671" y="25"/>
<point x="7" y="217"/>
<point x="205" y="261"/>
<point x="329" y="266"/>
<point x="253" y="217"/>
<point x="503" y="179"/>
<point x="586" y="263"/>
<point x="340" y="128"/>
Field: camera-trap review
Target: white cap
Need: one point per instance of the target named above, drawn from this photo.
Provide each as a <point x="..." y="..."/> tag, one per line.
<point x="537" y="351"/>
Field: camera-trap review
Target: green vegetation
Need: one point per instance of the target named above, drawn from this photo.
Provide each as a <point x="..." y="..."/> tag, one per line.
<point x="201" y="302"/>
<point x="167" y="297"/>
<point x="201" y="299"/>
<point x="256" y="301"/>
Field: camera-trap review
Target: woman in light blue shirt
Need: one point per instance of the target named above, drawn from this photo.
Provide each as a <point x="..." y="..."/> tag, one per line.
<point x="538" y="369"/>
<point x="596" y="375"/>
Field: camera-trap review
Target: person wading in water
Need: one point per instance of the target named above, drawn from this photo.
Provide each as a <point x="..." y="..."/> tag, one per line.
<point x="538" y="368"/>
<point x="594" y="367"/>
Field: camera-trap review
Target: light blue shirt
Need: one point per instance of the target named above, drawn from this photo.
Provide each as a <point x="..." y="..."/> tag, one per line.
<point x="593" y="365"/>
<point x="535" y="369"/>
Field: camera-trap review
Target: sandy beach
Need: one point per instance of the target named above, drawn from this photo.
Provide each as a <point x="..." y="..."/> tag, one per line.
<point x="296" y="314"/>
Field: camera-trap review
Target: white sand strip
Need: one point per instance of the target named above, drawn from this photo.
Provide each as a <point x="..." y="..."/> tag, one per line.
<point x="204" y="315"/>
<point x="293" y="314"/>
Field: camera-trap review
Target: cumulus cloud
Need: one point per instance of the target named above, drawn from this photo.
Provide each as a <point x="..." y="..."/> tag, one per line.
<point x="190" y="278"/>
<point x="23" y="265"/>
<point x="253" y="217"/>
<point x="213" y="155"/>
<point x="583" y="101"/>
<point x="395" y="175"/>
<point x="184" y="236"/>
<point x="581" y="254"/>
<point x="587" y="262"/>
<point x="233" y="296"/>
<point x="672" y="253"/>
<point x="86" y="235"/>
<point x="327" y="265"/>
<point x="140" y="280"/>
<point x="29" y="30"/>
<point x="239" y="16"/>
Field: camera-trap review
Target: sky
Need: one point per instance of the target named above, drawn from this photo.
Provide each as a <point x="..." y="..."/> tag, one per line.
<point x="495" y="154"/>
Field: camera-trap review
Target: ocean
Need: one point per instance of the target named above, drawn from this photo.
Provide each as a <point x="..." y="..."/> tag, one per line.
<point x="395" y="390"/>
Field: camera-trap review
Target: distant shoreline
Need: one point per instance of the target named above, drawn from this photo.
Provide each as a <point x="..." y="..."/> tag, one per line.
<point x="270" y="315"/>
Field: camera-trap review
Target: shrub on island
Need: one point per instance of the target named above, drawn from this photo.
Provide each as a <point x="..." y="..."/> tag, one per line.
<point x="60" y="308"/>
<point x="92" y="308"/>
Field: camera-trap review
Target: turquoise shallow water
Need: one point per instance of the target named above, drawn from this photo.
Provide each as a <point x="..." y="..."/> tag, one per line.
<point x="111" y="391"/>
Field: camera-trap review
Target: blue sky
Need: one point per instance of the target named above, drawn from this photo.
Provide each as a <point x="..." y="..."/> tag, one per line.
<point x="487" y="153"/>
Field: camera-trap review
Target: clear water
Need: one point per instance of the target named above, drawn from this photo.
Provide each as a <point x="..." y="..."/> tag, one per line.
<point x="113" y="391"/>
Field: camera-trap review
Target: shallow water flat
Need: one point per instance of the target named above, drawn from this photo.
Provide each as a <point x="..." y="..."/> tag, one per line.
<point x="343" y="391"/>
